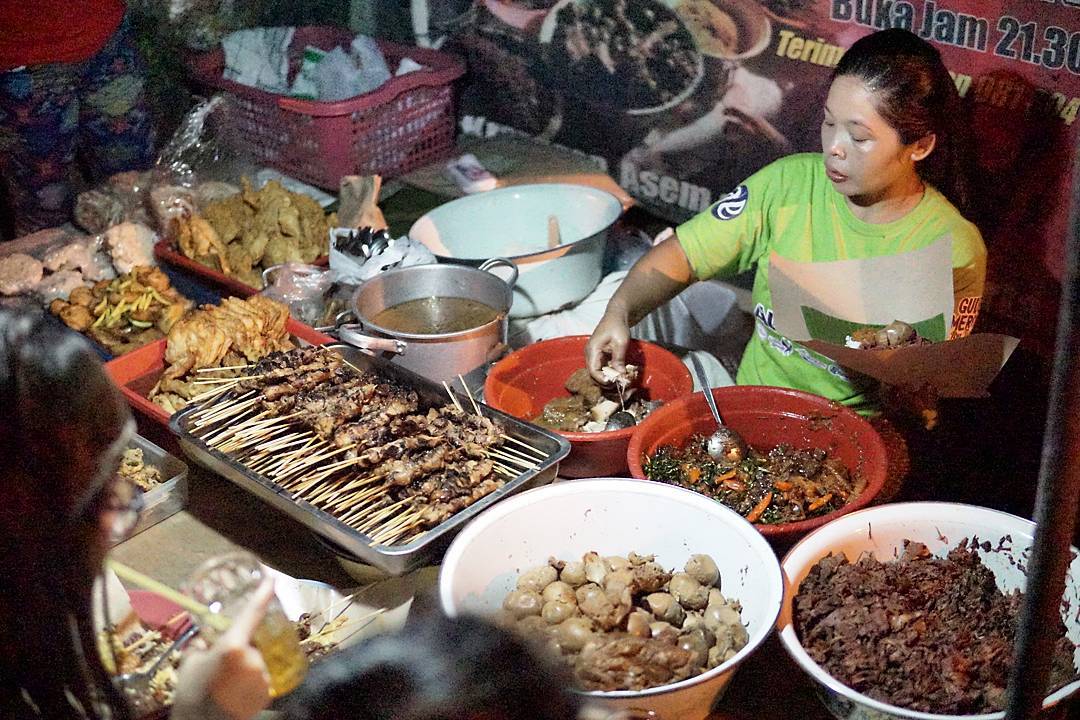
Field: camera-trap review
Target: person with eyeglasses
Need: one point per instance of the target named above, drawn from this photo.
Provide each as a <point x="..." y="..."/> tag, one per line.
<point x="63" y="430"/>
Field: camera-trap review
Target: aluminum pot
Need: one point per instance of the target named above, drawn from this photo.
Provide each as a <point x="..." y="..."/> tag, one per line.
<point x="440" y="356"/>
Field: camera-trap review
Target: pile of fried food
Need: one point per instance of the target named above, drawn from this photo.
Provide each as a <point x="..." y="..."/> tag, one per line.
<point x="242" y="234"/>
<point x="134" y="469"/>
<point x="592" y="407"/>
<point x="626" y="623"/>
<point x="126" y="312"/>
<point x="232" y="334"/>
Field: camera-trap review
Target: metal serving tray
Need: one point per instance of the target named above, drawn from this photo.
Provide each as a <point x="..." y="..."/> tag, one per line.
<point x="395" y="559"/>
<point x="171" y="495"/>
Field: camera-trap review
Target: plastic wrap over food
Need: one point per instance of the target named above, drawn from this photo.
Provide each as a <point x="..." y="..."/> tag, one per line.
<point x="302" y="287"/>
<point x="85" y="254"/>
<point x="97" y="210"/>
<point x="58" y="285"/>
<point x="131" y="245"/>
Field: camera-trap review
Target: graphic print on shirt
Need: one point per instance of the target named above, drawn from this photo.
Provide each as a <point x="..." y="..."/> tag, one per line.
<point x="731" y="205"/>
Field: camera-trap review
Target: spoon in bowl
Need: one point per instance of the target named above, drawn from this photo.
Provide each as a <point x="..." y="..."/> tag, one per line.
<point x="724" y="445"/>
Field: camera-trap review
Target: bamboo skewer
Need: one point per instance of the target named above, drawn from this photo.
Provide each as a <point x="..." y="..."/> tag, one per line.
<point x="469" y="394"/>
<point x="311" y="468"/>
<point x="225" y="367"/>
<point x="453" y="398"/>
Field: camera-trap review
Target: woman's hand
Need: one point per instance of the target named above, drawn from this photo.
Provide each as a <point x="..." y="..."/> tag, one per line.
<point x="230" y="678"/>
<point x="608" y="343"/>
<point x="659" y="275"/>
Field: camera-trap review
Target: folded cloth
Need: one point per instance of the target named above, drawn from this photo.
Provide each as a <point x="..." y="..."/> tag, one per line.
<point x="259" y="57"/>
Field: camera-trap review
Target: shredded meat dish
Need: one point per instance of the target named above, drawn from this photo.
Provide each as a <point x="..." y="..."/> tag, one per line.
<point x="922" y="632"/>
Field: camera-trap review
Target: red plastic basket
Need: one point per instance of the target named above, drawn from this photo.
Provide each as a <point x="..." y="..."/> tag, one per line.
<point x="406" y="123"/>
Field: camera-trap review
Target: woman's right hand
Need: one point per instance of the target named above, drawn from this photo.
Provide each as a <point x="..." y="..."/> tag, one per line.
<point x="230" y="679"/>
<point x="608" y="343"/>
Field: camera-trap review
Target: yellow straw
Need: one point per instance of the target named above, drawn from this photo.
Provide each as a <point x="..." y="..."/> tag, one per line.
<point x="207" y="616"/>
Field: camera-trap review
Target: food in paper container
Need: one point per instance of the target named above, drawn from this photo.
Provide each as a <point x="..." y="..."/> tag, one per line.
<point x="894" y="335"/>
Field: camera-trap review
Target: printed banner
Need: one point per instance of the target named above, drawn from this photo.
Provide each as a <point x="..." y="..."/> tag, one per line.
<point x="680" y="100"/>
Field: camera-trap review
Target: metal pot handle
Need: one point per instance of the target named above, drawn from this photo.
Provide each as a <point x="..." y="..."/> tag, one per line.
<point x="498" y="261"/>
<point x="350" y="333"/>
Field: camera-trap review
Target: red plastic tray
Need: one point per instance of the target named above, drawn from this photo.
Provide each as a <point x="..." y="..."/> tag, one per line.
<point x="138" y="371"/>
<point x="164" y="250"/>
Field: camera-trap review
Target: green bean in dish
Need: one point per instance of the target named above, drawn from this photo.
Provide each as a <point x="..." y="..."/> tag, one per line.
<point x="780" y="485"/>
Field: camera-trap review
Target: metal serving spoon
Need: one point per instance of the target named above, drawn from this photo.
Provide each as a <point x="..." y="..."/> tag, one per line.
<point x="137" y="684"/>
<point x="725" y="444"/>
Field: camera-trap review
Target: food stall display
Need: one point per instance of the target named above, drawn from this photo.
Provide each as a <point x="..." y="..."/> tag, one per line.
<point x="371" y="456"/>
<point x="124" y="313"/>
<point x="246" y="232"/>
<point x="229" y="336"/>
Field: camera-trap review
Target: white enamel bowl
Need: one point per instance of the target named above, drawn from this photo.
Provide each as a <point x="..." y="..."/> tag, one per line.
<point x="614" y="517"/>
<point x="513" y="223"/>
<point x="882" y="531"/>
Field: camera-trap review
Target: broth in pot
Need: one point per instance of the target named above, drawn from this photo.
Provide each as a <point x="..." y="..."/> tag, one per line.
<point x="435" y="316"/>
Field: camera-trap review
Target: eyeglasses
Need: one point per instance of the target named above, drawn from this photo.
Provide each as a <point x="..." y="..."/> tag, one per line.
<point x="114" y="501"/>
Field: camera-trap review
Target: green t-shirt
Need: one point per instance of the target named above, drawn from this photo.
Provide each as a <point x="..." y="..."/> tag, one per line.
<point x="791" y="208"/>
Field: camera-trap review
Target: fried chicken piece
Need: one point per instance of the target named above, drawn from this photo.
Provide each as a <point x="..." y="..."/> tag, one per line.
<point x="82" y="296"/>
<point x="194" y="342"/>
<point x="77" y="317"/>
<point x="153" y="277"/>
<point x="198" y="241"/>
<point x="229" y="217"/>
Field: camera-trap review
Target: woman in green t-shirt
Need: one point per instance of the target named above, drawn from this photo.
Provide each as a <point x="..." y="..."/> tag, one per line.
<point x="879" y="202"/>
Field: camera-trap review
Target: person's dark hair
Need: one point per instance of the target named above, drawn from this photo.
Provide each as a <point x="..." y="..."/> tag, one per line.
<point x="436" y="669"/>
<point x="58" y="413"/>
<point x="916" y="95"/>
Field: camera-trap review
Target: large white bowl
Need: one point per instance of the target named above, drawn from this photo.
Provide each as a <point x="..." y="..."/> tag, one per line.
<point x="882" y="531"/>
<point x="614" y="517"/>
<point x="513" y="223"/>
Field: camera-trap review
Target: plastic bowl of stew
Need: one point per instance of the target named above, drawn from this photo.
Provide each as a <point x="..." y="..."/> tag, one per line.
<point x="523" y="382"/>
<point x="766" y="417"/>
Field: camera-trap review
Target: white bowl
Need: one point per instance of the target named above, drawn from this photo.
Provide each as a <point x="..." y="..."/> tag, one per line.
<point x="882" y="531"/>
<point x="513" y="223"/>
<point x="615" y="516"/>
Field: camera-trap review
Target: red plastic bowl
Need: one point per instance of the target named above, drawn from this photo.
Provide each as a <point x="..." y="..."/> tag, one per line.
<point x="767" y="417"/>
<point x="523" y="382"/>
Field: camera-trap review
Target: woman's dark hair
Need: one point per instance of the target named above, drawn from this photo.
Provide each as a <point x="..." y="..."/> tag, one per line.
<point x="58" y="412"/>
<point x="916" y="96"/>
<point x="436" y="669"/>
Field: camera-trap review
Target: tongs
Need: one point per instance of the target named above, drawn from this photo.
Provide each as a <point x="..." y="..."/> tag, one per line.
<point x="137" y="684"/>
<point x="363" y="242"/>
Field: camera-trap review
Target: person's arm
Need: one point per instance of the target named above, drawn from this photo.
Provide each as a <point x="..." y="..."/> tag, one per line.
<point x="726" y="239"/>
<point x="969" y="279"/>
<point x="657" y="277"/>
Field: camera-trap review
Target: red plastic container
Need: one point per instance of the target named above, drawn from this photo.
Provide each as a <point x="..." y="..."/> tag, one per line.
<point x="165" y="251"/>
<point x="766" y="417"/>
<point x="407" y="123"/>
<point x="523" y="382"/>
<point x="138" y="371"/>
